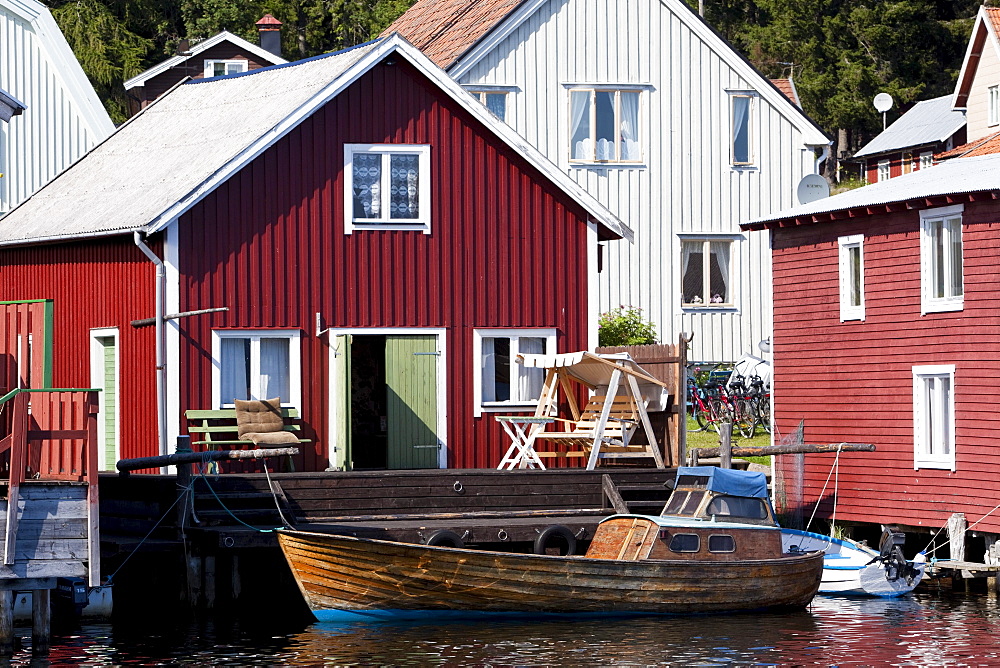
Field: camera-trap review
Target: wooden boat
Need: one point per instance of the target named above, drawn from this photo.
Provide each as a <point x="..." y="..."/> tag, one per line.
<point x="635" y="564"/>
<point x="707" y="494"/>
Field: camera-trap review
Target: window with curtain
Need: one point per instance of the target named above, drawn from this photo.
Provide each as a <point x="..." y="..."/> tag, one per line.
<point x="706" y="277"/>
<point x="604" y="125"/>
<point x="852" y="277"/>
<point x="504" y="382"/>
<point x="256" y="365"/>
<point x="941" y="279"/>
<point x="387" y="186"/>
<point x="993" y="105"/>
<point x="741" y="106"/>
<point x="934" y="416"/>
<point x="221" y="68"/>
<point x="494" y="101"/>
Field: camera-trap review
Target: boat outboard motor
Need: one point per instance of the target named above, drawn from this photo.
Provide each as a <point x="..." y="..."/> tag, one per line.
<point x="891" y="555"/>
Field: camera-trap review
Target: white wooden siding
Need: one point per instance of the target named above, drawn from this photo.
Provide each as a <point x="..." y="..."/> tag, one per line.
<point x="987" y="74"/>
<point x="686" y="183"/>
<point x="63" y="119"/>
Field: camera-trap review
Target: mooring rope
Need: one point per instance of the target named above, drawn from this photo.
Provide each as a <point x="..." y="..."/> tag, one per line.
<point x="836" y="487"/>
<point x="182" y="495"/>
<point x="230" y="513"/>
<point x="274" y="495"/>
<point x="967" y="529"/>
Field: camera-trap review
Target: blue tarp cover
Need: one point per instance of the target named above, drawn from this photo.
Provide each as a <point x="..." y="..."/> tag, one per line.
<point x="729" y="481"/>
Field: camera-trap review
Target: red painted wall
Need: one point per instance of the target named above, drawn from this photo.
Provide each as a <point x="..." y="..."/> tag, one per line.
<point x="852" y="381"/>
<point x="507" y="249"/>
<point x="95" y="284"/>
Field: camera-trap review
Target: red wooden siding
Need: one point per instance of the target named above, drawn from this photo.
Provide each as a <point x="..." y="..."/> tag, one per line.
<point x="852" y="381"/>
<point x="507" y="249"/>
<point x="101" y="283"/>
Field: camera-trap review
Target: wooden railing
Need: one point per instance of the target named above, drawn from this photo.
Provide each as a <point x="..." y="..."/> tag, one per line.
<point x="53" y="436"/>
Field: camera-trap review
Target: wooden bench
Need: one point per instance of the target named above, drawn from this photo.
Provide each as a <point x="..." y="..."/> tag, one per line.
<point x="217" y="428"/>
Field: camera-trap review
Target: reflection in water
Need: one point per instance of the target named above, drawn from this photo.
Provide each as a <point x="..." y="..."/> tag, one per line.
<point x="926" y="629"/>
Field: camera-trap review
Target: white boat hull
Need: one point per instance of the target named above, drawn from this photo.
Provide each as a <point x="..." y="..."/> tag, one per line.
<point x="848" y="568"/>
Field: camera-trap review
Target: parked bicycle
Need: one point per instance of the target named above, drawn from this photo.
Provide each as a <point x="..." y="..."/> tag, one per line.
<point x="712" y="404"/>
<point x="760" y="397"/>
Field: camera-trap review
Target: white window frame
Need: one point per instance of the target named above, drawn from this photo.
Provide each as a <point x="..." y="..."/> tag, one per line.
<point x="848" y="310"/>
<point x="928" y="218"/>
<point x="97" y="380"/>
<point x="708" y="239"/>
<point x="294" y="337"/>
<point x="933" y="417"/>
<point x="244" y="66"/>
<point x="993" y="105"/>
<point x="617" y="90"/>
<point x="751" y="97"/>
<point x="926" y="159"/>
<point x="883" y="171"/>
<point x="479" y="406"/>
<point x="480" y="92"/>
<point x="420" y="224"/>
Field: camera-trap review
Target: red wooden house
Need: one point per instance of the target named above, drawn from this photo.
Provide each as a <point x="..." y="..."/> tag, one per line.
<point x="383" y="246"/>
<point x="886" y="332"/>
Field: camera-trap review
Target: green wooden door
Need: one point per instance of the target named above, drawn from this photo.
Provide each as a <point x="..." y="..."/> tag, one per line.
<point x="411" y="386"/>
<point x="340" y="455"/>
<point x="108" y="399"/>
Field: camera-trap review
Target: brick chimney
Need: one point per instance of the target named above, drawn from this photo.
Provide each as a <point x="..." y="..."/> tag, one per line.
<point x="270" y="34"/>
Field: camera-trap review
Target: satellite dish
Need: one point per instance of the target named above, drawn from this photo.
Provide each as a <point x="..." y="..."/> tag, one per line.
<point x="883" y="102"/>
<point x="811" y="188"/>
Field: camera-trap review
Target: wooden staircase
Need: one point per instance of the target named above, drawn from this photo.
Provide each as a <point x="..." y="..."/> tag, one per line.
<point x="641" y="498"/>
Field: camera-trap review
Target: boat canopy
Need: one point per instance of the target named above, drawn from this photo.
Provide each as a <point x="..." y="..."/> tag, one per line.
<point x="726" y="481"/>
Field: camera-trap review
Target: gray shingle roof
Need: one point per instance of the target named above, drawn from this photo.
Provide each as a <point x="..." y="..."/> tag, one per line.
<point x="926" y="122"/>
<point x="178" y="149"/>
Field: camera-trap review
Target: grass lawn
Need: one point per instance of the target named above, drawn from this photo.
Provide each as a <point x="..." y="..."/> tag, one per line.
<point x="709" y="439"/>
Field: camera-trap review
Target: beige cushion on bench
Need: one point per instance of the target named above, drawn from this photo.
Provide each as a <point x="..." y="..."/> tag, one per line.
<point x="260" y="421"/>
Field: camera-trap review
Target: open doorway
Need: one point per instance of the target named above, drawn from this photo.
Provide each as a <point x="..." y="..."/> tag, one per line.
<point x="385" y="393"/>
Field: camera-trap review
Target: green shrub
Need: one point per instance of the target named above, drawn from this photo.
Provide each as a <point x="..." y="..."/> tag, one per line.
<point x="625" y="326"/>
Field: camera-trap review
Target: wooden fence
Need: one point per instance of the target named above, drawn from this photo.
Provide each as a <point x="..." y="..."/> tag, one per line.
<point x="667" y="363"/>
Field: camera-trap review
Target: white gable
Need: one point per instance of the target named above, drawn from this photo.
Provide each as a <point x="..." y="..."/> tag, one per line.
<point x="62" y="118"/>
<point x="685" y="187"/>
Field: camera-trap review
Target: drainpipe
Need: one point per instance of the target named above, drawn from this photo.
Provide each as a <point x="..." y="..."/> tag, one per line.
<point x="161" y="372"/>
<point x="821" y="159"/>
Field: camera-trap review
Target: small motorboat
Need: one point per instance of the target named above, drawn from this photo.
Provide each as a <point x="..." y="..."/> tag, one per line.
<point x="709" y="494"/>
<point x="635" y="564"/>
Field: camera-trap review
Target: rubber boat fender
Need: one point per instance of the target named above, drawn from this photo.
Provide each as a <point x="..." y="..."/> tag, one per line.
<point x="552" y="536"/>
<point x="445" y="538"/>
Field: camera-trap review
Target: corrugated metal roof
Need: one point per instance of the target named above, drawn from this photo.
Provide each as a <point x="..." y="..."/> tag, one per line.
<point x="927" y="122"/>
<point x="161" y="154"/>
<point x="178" y="149"/>
<point x="963" y="175"/>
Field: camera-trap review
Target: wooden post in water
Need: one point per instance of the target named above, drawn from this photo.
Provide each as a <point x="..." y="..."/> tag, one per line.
<point x="726" y="445"/>
<point x="6" y="622"/>
<point x="41" y="621"/>
<point x="957" y="525"/>
<point x="992" y="558"/>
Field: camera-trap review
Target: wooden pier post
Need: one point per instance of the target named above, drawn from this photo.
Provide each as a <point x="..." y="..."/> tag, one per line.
<point x="7" y="640"/>
<point x="957" y="525"/>
<point x="992" y="558"/>
<point x="726" y="445"/>
<point x="41" y="621"/>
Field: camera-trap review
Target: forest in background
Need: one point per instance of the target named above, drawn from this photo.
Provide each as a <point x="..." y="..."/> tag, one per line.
<point x="840" y="53"/>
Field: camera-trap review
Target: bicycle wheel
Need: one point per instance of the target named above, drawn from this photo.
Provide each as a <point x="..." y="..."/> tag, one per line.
<point x="764" y="413"/>
<point x="744" y="420"/>
<point x="702" y="415"/>
<point x="719" y="412"/>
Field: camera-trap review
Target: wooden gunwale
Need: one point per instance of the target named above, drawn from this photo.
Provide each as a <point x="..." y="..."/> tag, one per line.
<point x="340" y="572"/>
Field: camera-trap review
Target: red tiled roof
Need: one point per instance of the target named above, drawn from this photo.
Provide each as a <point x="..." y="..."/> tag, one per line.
<point x="982" y="146"/>
<point x="788" y="88"/>
<point x="446" y="29"/>
<point x="993" y="14"/>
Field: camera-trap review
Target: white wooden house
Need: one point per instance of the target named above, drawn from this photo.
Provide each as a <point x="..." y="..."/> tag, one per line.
<point x="61" y="116"/>
<point x="665" y="123"/>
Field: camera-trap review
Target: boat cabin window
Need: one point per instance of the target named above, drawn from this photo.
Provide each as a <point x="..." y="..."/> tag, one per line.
<point x="685" y="542"/>
<point x="737" y="506"/>
<point x="692" y="481"/>
<point x="721" y="543"/>
<point x="683" y="502"/>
